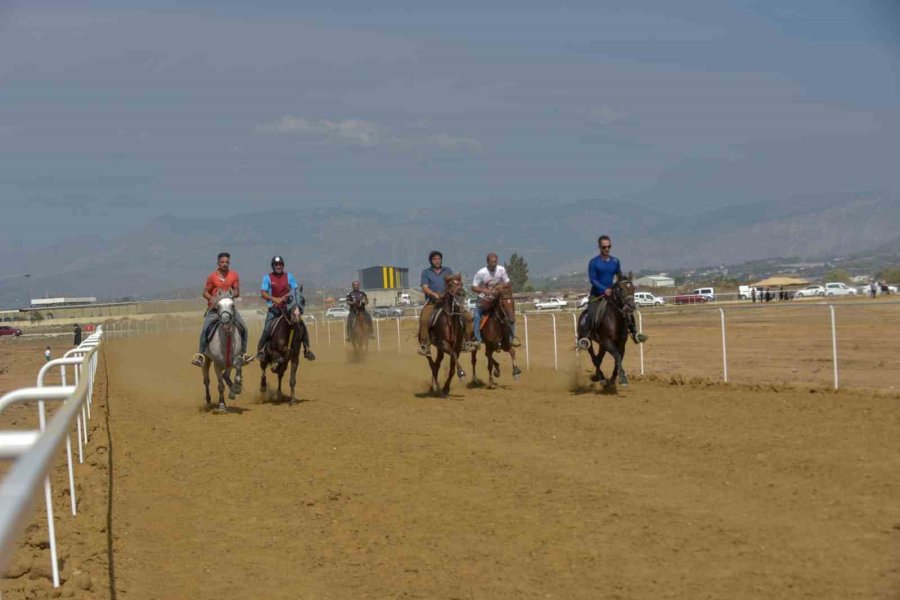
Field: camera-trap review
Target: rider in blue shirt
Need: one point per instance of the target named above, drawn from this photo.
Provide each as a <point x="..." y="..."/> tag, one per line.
<point x="603" y="272"/>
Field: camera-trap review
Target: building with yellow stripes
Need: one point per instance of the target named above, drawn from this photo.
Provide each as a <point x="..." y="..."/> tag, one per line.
<point x="384" y="278"/>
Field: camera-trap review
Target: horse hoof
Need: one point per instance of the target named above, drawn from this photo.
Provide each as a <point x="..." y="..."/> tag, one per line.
<point x="221" y="409"/>
<point x="231" y="395"/>
<point x="496" y="371"/>
<point x="292" y="402"/>
<point x="596" y="378"/>
<point x="238" y="388"/>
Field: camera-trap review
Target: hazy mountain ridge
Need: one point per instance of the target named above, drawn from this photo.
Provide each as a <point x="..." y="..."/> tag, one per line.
<point x="326" y="246"/>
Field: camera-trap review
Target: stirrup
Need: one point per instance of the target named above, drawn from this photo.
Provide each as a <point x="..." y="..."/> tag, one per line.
<point x="470" y="346"/>
<point x="641" y="337"/>
<point x="247" y="358"/>
<point x="424" y="350"/>
<point x="583" y="344"/>
<point x="198" y="360"/>
<point x="515" y="343"/>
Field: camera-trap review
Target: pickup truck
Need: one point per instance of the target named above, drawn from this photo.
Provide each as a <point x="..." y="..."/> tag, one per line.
<point x="550" y="303"/>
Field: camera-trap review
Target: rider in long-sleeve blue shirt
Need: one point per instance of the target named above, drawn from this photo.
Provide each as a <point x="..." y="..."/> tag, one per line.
<point x="603" y="272"/>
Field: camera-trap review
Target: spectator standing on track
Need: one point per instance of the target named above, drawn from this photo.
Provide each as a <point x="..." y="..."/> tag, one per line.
<point x="77" y="341"/>
<point x="47" y="355"/>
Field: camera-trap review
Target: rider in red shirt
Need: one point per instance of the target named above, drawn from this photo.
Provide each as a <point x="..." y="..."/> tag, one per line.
<point x="222" y="279"/>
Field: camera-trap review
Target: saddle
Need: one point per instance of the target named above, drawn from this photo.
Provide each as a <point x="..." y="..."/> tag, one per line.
<point x="597" y="307"/>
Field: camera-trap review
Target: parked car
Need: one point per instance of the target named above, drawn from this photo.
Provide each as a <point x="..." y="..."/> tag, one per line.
<point x="648" y="299"/>
<point x="338" y="312"/>
<point x="9" y="330"/>
<point x="839" y="289"/>
<point x="582" y="302"/>
<point x="386" y="312"/>
<point x="691" y="298"/>
<point x="810" y="291"/>
<point x="550" y="303"/>
<point x="404" y="300"/>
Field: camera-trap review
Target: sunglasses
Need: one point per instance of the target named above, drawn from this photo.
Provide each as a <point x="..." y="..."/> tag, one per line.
<point x="605" y="247"/>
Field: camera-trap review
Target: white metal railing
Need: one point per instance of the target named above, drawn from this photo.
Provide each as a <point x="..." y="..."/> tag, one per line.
<point x="34" y="451"/>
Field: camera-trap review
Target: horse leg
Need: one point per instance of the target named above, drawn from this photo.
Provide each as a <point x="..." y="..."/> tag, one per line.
<point x="596" y="359"/>
<point x="491" y="361"/>
<point x="474" y="361"/>
<point x="280" y="377"/>
<point x="610" y="347"/>
<point x="435" y="364"/>
<point x="230" y="383"/>
<point x="220" y="378"/>
<point x="454" y="359"/>
<point x="293" y="380"/>
<point x="206" y="363"/>
<point x="238" y="386"/>
<point x="263" y="384"/>
<point x="623" y="377"/>
<point x="516" y="371"/>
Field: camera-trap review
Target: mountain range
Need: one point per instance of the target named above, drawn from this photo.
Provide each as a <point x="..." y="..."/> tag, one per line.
<point x="326" y="246"/>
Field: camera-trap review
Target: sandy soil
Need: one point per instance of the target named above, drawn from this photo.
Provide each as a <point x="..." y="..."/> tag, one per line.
<point x="677" y="486"/>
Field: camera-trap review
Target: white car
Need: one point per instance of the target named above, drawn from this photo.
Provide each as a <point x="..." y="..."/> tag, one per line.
<point x="839" y="289"/>
<point x="338" y="312"/>
<point x="550" y="303"/>
<point x="648" y="299"/>
<point x="708" y="293"/>
<point x="810" y="291"/>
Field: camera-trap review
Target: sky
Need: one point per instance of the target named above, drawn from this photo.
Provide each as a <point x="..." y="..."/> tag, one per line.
<point x="112" y="114"/>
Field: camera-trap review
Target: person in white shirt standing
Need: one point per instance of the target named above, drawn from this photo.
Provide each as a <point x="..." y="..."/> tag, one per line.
<point x="483" y="283"/>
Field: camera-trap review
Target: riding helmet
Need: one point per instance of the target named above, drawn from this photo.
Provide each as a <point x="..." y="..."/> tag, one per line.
<point x="434" y="253"/>
<point x="276" y="260"/>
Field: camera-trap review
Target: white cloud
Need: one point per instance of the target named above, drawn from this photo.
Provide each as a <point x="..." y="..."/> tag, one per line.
<point x="361" y="133"/>
<point x="454" y="142"/>
<point x="350" y="132"/>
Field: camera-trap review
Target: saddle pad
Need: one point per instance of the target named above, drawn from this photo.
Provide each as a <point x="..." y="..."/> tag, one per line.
<point x="434" y="316"/>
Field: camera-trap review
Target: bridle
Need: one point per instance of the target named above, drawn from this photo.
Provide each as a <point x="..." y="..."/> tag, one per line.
<point x="618" y="294"/>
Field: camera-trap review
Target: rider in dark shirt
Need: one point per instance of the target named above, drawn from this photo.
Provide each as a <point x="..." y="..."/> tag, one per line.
<point x="358" y="299"/>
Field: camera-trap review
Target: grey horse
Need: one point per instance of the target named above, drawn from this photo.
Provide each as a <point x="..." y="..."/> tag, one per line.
<point x="224" y="352"/>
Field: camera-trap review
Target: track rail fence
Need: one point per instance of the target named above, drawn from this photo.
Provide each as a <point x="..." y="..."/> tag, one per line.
<point x="34" y="452"/>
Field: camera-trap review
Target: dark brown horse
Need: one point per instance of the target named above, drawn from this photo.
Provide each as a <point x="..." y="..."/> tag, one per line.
<point x="499" y="314"/>
<point x="288" y="334"/>
<point x="447" y="334"/>
<point x="610" y="332"/>
<point x="360" y="331"/>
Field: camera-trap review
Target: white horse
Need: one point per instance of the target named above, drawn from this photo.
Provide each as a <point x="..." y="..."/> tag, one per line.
<point x="224" y="352"/>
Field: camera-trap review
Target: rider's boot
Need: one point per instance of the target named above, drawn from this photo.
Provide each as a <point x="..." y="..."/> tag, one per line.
<point x="198" y="360"/>
<point x="470" y="345"/>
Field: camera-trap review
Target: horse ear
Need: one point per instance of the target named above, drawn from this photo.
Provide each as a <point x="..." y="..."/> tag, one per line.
<point x="218" y="293"/>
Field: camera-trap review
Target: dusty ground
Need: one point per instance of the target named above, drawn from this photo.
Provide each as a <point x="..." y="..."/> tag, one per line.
<point x="676" y="487"/>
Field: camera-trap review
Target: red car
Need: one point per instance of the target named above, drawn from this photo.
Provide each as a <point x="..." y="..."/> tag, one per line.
<point x="7" y="330"/>
<point x="690" y="299"/>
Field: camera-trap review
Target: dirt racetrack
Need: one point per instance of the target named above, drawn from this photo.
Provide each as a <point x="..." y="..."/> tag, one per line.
<point x="370" y="489"/>
<point x="678" y="486"/>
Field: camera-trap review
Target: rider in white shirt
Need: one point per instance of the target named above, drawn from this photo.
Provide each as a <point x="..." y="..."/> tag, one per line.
<point x="485" y="279"/>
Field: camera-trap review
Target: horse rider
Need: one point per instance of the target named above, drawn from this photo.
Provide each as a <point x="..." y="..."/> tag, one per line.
<point x="225" y="280"/>
<point x="359" y="299"/>
<point x="279" y="289"/>
<point x="604" y="271"/>
<point x="483" y="284"/>
<point x="433" y="285"/>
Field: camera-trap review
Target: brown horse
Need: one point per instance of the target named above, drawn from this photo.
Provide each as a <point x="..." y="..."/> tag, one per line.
<point x="499" y="314"/>
<point x="610" y="332"/>
<point x="360" y="331"/>
<point x="447" y="334"/>
<point x="288" y="334"/>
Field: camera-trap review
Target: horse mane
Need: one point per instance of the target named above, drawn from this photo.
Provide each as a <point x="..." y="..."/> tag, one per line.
<point x="504" y="289"/>
<point x="457" y="278"/>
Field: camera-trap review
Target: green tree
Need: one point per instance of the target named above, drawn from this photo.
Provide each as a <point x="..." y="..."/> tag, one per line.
<point x="840" y="275"/>
<point x="889" y="274"/>
<point x="517" y="269"/>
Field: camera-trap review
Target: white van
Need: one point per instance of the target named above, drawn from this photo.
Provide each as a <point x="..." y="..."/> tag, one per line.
<point x="648" y="299"/>
<point x="709" y="293"/>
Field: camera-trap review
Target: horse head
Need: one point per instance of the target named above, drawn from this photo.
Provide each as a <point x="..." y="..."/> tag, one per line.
<point x="624" y="289"/>
<point x="225" y="307"/>
<point x="295" y="315"/>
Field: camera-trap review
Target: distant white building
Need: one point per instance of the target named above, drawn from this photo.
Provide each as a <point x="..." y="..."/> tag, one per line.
<point x="655" y="281"/>
<point x="54" y="302"/>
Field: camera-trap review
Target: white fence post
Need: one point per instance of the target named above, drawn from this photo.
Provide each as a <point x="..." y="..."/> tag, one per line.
<point x="398" y="335"/>
<point x="328" y="328"/>
<point x="575" y="329"/>
<point x="555" y="355"/>
<point x="641" y="345"/>
<point x="378" y="333"/>
<point x="834" y="345"/>
<point x="724" y="350"/>
<point x="527" y="357"/>
<point x="344" y="330"/>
